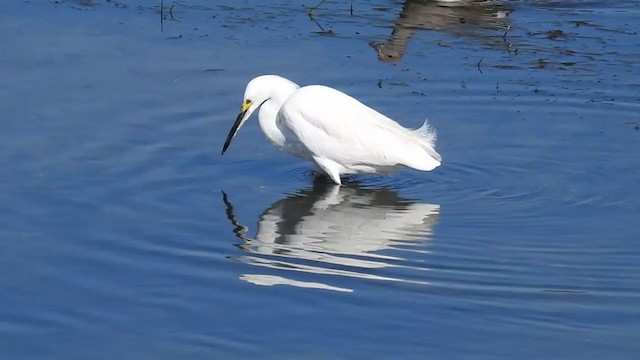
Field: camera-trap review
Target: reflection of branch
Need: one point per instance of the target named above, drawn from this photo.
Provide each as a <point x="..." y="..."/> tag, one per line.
<point x="239" y="229"/>
<point x="463" y="19"/>
<point x="162" y="17"/>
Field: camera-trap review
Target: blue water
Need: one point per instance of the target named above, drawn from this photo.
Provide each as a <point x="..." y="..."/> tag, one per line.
<point x="125" y="235"/>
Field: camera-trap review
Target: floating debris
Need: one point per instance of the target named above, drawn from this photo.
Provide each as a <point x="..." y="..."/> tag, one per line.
<point x="579" y="23"/>
<point x="556" y="34"/>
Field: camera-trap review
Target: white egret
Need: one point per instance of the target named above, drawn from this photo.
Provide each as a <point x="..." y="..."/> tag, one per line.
<point x="335" y="131"/>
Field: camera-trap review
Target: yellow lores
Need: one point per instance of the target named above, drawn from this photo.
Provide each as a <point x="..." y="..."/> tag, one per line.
<point x="245" y="105"/>
<point x="335" y="131"/>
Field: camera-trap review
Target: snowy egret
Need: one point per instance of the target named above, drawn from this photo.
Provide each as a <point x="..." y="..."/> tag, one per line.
<point x="335" y="131"/>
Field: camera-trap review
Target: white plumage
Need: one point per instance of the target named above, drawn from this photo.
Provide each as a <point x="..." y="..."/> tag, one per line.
<point x="335" y="131"/>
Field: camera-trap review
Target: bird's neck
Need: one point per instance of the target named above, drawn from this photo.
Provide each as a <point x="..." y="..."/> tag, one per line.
<point x="268" y="115"/>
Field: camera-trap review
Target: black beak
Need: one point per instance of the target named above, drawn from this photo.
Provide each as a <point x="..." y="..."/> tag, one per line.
<point x="234" y="130"/>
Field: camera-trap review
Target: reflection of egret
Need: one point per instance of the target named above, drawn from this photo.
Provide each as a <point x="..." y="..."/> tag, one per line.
<point x="460" y="17"/>
<point x="333" y="230"/>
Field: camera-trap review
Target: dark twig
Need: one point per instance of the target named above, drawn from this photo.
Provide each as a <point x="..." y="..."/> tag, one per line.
<point x="504" y="36"/>
<point x="312" y="18"/>
<point x="312" y="9"/>
<point x="161" y="15"/>
<point x="317" y="23"/>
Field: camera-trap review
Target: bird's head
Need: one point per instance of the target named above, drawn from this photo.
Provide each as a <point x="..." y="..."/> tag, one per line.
<point x="258" y="91"/>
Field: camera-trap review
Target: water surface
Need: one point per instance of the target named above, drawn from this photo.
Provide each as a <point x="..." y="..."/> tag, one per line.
<point x="124" y="233"/>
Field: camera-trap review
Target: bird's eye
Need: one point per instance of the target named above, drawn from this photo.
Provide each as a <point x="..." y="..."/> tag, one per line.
<point x="247" y="101"/>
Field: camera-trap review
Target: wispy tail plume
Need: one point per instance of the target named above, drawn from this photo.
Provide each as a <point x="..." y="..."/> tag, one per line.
<point x="428" y="134"/>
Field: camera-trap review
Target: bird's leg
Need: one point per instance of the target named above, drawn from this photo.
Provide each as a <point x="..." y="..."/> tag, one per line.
<point x="329" y="167"/>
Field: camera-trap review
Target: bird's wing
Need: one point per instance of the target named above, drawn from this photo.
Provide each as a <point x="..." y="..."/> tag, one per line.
<point x="334" y="125"/>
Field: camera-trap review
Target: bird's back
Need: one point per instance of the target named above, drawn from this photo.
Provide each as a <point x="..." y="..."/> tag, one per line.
<point x="333" y="125"/>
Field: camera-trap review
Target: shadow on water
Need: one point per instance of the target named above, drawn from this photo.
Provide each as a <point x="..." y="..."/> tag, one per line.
<point x="467" y="18"/>
<point x="334" y="230"/>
